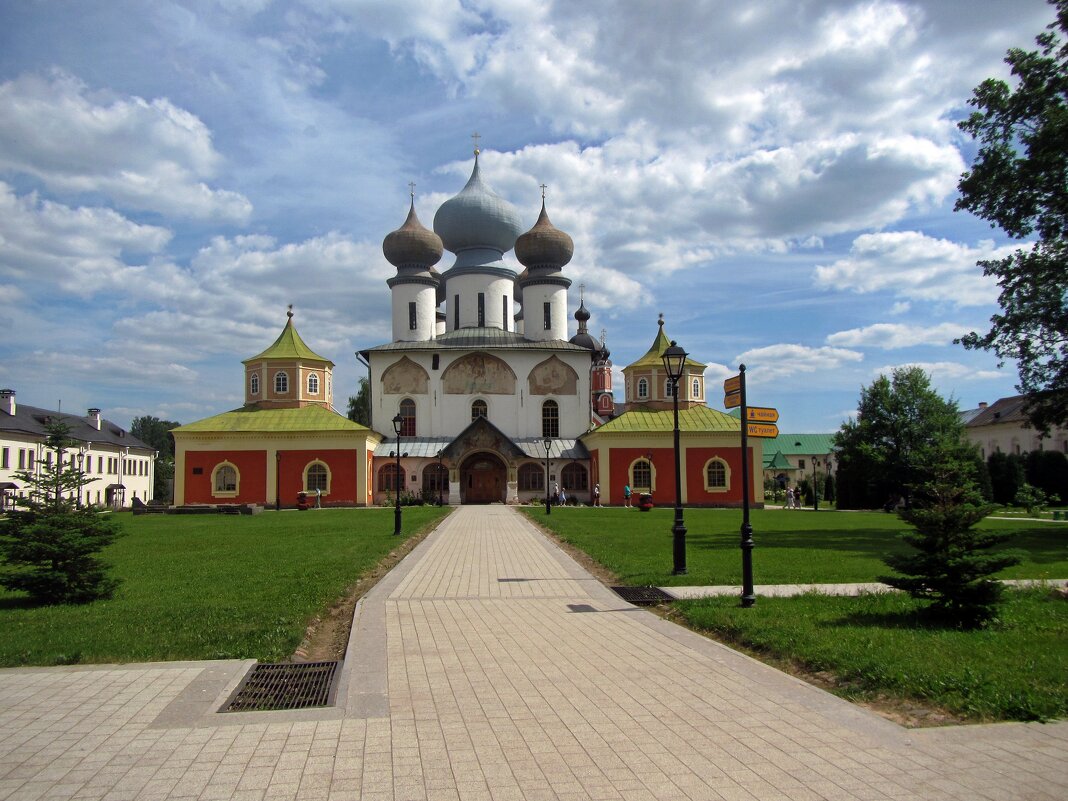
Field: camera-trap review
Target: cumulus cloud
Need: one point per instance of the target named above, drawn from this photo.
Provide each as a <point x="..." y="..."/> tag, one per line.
<point x="785" y="360"/>
<point x="890" y="336"/>
<point x="914" y="266"/>
<point x="80" y="250"/>
<point x="143" y="154"/>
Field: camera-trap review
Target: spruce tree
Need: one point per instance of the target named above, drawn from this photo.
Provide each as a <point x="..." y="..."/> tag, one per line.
<point x="50" y="545"/>
<point x="951" y="565"/>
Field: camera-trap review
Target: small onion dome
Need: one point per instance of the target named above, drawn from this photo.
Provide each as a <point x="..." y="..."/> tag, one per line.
<point x="412" y="244"/>
<point x="477" y="218"/>
<point x="605" y="353"/>
<point x="544" y="245"/>
<point x="583" y="338"/>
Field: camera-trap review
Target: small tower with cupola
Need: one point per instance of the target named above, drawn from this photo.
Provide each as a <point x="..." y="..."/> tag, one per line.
<point x="288" y="374"/>
<point x="648" y="385"/>
<point x="417" y="287"/>
<point x="544" y="250"/>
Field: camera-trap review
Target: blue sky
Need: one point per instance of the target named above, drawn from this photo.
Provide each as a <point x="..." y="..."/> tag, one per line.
<point x="777" y="178"/>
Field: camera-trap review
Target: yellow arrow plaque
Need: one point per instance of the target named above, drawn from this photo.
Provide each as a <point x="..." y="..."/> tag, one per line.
<point x="761" y="414"/>
<point x="732" y="384"/>
<point x="764" y="430"/>
<point x="732" y="401"/>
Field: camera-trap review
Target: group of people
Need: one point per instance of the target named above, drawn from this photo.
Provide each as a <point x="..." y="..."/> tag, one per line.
<point x="560" y="496"/>
<point x="793" y="497"/>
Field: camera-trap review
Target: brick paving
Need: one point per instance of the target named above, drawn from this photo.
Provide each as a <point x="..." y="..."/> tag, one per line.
<point x="489" y="667"/>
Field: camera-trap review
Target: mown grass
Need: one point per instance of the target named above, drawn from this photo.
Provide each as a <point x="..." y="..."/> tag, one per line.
<point x="210" y="587"/>
<point x="879" y="644"/>
<point x="792" y="547"/>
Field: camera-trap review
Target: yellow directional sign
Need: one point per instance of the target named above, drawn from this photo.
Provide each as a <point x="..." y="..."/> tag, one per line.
<point x="761" y="414"/>
<point x="764" y="430"/>
<point x="732" y="400"/>
<point x="733" y="384"/>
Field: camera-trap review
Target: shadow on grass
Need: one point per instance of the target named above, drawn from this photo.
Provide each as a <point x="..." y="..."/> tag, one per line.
<point x="19" y="602"/>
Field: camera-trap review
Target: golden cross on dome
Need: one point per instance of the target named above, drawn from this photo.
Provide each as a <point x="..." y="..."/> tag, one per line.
<point x="543" y="188"/>
<point x="582" y="290"/>
<point x="411" y="190"/>
<point x="476" y="136"/>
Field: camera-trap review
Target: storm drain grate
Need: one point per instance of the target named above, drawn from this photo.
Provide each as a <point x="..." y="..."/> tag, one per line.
<point x="643" y="596"/>
<point x="285" y="686"/>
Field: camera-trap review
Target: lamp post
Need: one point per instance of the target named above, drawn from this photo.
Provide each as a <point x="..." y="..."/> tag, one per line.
<point x="674" y="360"/>
<point x="548" y="442"/>
<point x="398" y="476"/>
<point x="815" y="487"/>
<point x="440" y="471"/>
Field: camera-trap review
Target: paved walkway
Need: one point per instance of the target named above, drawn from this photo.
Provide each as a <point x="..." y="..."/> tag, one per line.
<point x="489" y="667"/>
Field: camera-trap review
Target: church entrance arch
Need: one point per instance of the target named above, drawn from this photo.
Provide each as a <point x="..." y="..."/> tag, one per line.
<point x="483" y="478"/>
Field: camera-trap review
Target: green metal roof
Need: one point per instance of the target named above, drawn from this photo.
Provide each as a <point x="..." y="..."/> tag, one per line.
<point x="289" y="345"/>
<point x="250" y="419"/>
<point x="696" y="418"/>
<point x="800" y="444"/>
<point x="654" y="357"/>
<point x="776" y="462"/>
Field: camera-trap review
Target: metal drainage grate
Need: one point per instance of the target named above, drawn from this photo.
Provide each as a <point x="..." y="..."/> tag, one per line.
<point x="643" y="596"/>
<point x="285" y="686"/>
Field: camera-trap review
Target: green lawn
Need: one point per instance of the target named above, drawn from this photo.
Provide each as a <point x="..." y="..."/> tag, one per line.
<point x="791" y="546"/>
<point x="210" y="587"/>
<point x="876" y="644"/>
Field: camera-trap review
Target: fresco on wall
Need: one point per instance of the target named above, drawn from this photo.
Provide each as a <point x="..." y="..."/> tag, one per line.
<point x="552" y="377"/>
<point x="478" y="373"/>
<point x="405" y="378"/>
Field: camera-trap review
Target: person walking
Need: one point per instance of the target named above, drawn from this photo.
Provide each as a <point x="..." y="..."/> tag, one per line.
<point x="626" y="495"/>
<point x="596" y="494"/>
<point x="556" y="493"/>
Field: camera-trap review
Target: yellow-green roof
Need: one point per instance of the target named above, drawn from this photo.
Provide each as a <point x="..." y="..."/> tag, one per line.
<point x="289" y="345"/>
<point x="654" y="357"/>
<point x="249" y="419"/>
<point x="696" y="418"/>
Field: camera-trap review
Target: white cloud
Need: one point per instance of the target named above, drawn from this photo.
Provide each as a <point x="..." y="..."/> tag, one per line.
<point x="784" y="360"/>
<point x="44" y="244"/>
<point x="914" y="266"/>
<point x="890" y="336"/>
<point x="146" y="155"/>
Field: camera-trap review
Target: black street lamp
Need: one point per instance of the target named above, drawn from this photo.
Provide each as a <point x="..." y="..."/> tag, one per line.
<point x="815" y="487"/>
<point x="674" y="360"/>
<point x="441" y="469"/>
<point x="398" y="477"/>
<point x="548" y="442"/>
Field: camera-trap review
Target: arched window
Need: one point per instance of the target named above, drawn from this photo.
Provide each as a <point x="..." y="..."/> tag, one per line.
<point x="669" y="388"/>
<point x="435" y="480"/>
<point x="254" y="384"/>
<point x="605" y="402"/>
<point x="532" y="477"/>
<point x="574" y="477"/>
<point x="390" y="479"/>
<point x="696" y="389"/>
<point x="317" y="477"/>
<point x="313" y="383"/>
<point x="550" y="419"/>
<point x="479" y="409"/>
<point x="717" y="475"/>
<point x="643" y="388"/>
<point x="224" y="480"/>
<point x="641" y="475"/>
<point x="407" y="413"/>
<point x="281" y="382"/>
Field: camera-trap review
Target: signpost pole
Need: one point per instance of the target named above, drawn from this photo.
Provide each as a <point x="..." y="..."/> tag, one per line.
<point x="748" y="594"/>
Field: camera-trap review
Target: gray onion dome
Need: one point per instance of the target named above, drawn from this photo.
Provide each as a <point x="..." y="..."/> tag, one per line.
<point x="583" y="338"/>
<point x="477" y="218"/>
<point x="544" y="245"/>
<point x="412" y="245"/>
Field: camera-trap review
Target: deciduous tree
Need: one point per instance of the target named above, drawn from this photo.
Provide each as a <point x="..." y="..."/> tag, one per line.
<point x="1019" y="182"/>
<point x="360" y="404"/>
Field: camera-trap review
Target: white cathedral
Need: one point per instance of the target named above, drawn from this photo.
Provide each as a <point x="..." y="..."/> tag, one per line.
<point x="480" y="368"/>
